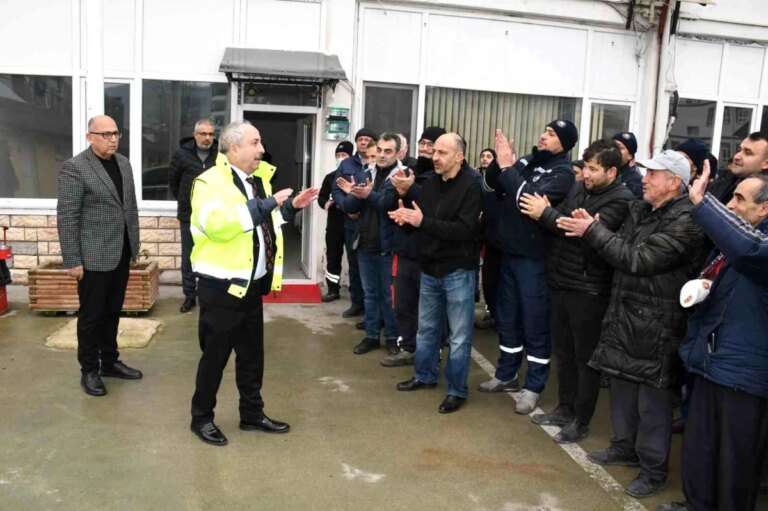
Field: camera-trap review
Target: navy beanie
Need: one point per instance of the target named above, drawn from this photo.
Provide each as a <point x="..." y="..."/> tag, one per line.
<point x="432" y="134"/>
<point x="628" y="139"/>
<point x="366" y="132"/>
<point x="697" y="150"/>
<point x="345" y="147"/>
<point x="566" y="132"/>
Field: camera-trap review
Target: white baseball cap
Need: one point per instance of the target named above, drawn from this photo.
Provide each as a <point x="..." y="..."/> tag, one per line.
<point x="669" y="160"/>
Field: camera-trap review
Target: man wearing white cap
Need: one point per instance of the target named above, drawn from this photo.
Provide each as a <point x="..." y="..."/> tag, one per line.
<point x="654" y="253"/>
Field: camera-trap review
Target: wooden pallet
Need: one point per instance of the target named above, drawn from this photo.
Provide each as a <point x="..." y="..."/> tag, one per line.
<point x="52" y="290"/>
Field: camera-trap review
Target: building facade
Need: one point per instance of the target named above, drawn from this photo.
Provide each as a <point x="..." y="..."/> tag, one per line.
<point x="470" y="66"/>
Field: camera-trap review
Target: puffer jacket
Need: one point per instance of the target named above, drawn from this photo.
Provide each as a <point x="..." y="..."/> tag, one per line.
<point x="572" y="264"/>
<point x="185" y="167"/>
<point x="654" y="253"/>
<point x="726" y="342"/>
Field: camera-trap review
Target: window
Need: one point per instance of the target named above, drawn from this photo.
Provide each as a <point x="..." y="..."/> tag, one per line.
<point x="117" y="105"/>
<point x="476" y="114"/>
<point x="169" y="113"/>
<point x="391" y="108"/>
<point x="607" y="120"/>
<point x="764" y="120"/>
<point x="35" y="134"/>
<point x="733" y="133"/>
<point x="693" y="115"/>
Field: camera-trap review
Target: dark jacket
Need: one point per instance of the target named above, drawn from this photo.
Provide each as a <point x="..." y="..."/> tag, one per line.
<point x="449" y="235"/>
<point x="185" y="167"/>
<point x="572" y="264"/>
<point x="348" y="169"/>
<point x="335" y="216"/>
<point x="654" y="254"/>
<point x="726" y="341"/>
<point x="376" y="229"/>
<point x="631" y="178"/>
<point x="543" y="173"/>
<point x="405" y="239"/>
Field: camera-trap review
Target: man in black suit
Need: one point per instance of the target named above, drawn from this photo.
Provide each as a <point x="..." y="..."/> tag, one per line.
<point x="98" y="225"/>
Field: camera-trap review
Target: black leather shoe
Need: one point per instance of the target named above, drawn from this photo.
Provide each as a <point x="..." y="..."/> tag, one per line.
<point x="330" y="296"/>
<point x="360" y="325"/>
<point x="643" y="486"/>
<point x="265" y="424"/>
<point x="414" y="384"/>
<point x="120" y="370"/>
<point x="355" y="310"/>
<point x="366" y="345"/>
<point x="188" y="304"/>
<point x="209" y="433"/>
<point x="92" y="384"/>
<point x="451" y="404"/>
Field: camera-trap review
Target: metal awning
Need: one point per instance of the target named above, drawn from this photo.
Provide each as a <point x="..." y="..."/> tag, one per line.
<point x="278" y="66"/>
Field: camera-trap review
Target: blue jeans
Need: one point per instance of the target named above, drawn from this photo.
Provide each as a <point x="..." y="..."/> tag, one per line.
<point x="523" y="320"/>
<point x="355" y="286"/>
<point x="376" y="274"/>
<point x="451" y="297"/>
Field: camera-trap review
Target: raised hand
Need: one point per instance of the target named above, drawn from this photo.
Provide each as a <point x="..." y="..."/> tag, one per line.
<point x="305" y="197"/>
<point x="401" y="182"/>
<point x="505" y="150"/>
<point x="698" y="189"/>
<point x="282" y="195"/>
<point x="344" y="185"/>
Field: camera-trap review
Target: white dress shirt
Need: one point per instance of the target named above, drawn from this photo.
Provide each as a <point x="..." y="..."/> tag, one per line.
<point x="247" y="222"/>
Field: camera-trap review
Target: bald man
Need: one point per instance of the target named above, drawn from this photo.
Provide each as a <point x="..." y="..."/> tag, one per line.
<point x="446" y="217"/>
<point x="98" y="223"/>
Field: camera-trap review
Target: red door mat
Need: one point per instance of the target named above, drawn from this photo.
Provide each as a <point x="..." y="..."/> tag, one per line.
<point x="295" y="293"/>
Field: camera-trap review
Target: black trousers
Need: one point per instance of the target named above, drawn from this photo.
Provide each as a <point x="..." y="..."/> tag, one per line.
<point x="188" y="280"/>
<point x="724" y="448"/>
<point x="228" y="323"/>
<point x="642" y="422"/>
<point x="406" y="300"/>
<point x="101" y="299"/>
<point x="490" y="272"/>
<point x="334" y="251"/>
<point x="576" y="319"/>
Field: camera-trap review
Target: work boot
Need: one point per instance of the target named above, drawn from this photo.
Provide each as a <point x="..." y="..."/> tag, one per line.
<point x="330" y="296"/>
<point x="402" y="358"/>
<point x="572" y="432"/>
<point x="527" y="401"/>
<point x="613" y="455"/>
<point x="496" y="385"/>
<point x="561" y="416"/>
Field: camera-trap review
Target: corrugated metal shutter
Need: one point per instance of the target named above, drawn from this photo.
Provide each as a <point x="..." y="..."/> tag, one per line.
<point x="475" y="115"/>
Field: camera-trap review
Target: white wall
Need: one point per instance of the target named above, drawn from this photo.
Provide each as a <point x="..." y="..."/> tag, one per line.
<point x="281" y="25"/>
<point x="37" y="35"/>
<point x="119" y="36"/>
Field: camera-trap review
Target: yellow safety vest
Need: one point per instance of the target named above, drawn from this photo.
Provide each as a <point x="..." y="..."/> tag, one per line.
<point x="222" y="249"/>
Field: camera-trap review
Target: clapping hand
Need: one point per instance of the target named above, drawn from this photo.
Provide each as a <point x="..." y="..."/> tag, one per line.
<point x="533" y="205"/>
<point x="505" y="150"/>
<point x="402" y="182"/>
<point x="403" y="215"/>
<point x="362" y="191"/>
<point x="577" y="224"/>
<point x="282" y="195"/>
<point x="344" y="185"/>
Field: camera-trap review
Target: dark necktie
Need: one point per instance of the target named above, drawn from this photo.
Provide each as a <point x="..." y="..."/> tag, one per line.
<point x="258" y="192"/>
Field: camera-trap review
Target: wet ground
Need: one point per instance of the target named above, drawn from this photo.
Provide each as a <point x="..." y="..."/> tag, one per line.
<point x="355" y="443"/>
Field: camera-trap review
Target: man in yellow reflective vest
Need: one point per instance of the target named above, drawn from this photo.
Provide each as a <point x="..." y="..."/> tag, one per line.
<point x="238" y="257"/>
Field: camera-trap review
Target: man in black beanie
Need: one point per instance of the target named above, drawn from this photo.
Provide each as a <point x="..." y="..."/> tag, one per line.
<point x="487" y="155"/>
<point x="628" y="174"/>
<point x="523" y="308"/>
<point x="334" y="227"/>
<point x="348" y="168"/>
<point x="695" y="151"/>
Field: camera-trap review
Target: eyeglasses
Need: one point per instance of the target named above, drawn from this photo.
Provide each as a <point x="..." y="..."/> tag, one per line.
<point x="106" y="135"/>
<point x="426" y="143"/>
<point x="206" y="133"/>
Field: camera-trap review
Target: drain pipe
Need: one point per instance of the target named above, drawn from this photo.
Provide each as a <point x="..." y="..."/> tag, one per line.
<point x="659" y="130"/>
